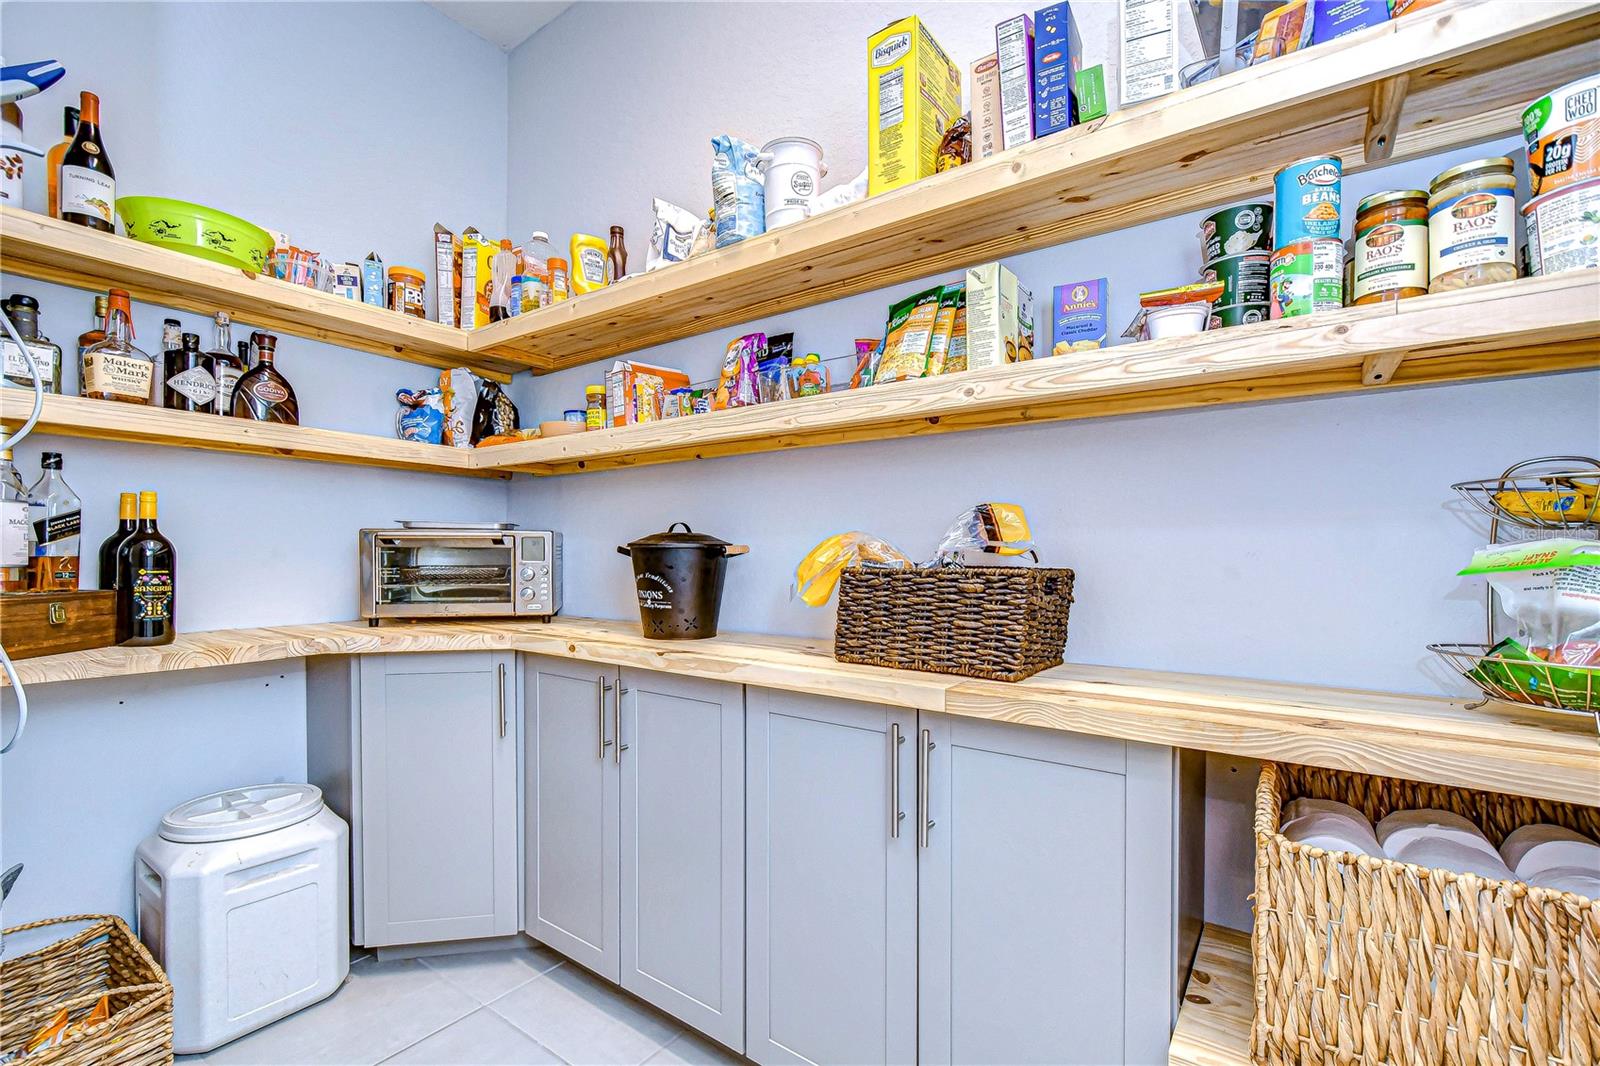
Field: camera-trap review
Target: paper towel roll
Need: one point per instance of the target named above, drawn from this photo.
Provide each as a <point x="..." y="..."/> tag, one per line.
<point x="1397" y="832"/>
<point x="1543" y="846"/>
<point x="1585" y="883"/>
<point x="1450" y="853"/>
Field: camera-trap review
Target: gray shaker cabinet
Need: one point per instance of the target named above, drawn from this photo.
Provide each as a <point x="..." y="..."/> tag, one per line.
<point x="832" y="880"/>
<point x="434" y="780"/>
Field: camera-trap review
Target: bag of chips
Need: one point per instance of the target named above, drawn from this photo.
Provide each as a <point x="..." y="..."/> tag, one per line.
<point x="738" y="191"/>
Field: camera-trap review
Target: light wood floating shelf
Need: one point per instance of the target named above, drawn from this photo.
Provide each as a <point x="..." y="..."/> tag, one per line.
<point x="36" y="246"/>
<point x="1214" y="1019"/>
<point x="75" y="416"/>
<point x="1440" y="78"/>
<point x="1522" y="750"/>
<point x="1534" y="325"/>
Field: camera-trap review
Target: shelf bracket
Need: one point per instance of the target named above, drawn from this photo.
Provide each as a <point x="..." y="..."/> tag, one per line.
<point x="1379" y="368"/>
<point x="1383" y="116"/>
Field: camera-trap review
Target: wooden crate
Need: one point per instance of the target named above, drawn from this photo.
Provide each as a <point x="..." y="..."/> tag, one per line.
<point x="45" y="623"/>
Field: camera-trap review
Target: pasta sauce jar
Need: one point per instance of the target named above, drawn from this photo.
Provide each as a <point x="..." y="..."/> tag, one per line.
<point x="1391" y="247"/>
<point x="1472" y="225"/>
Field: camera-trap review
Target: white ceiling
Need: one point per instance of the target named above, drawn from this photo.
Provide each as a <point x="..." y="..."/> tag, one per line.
<point x="506" y="23"/>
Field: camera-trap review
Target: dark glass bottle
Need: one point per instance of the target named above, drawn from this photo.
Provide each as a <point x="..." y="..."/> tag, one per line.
<point x="616" y="257"/>
<point x="262" y="393"/>
<point x="88" y="183"/>
<point x="226" y="367"/>
<point x="147" y="582"/>
<point x="127" y="522"/>
<point x="190" y="384"/>
<point x="244" y="358"/>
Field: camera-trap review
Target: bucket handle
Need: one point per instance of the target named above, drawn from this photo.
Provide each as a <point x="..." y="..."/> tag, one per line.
<point x="675" y="525"/>
<point x="737" y="549"/>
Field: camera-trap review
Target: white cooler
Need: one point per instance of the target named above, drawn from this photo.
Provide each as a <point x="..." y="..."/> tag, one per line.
<point x="244" y="898"/>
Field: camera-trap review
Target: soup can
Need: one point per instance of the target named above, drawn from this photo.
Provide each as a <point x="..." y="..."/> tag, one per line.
<point x="1563" y="135"/>
<point x="1244" y="277"/>
<point x="1307" y="276"/>
<point x="1308" y="200"/>
<point x="1564" y="229"/>
<point x="1237" y="229"/>
<point x="1237" y="315"/>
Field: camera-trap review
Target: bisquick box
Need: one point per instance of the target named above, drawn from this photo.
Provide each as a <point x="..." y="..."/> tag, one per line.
<point x="1057" y="60"/>
<point x="913" y="94"/>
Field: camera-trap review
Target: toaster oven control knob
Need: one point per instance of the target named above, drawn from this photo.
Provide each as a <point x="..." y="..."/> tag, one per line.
<point x="526" y="573"/>
<point x="527" y="594"/>
<point x="543" y="570"/>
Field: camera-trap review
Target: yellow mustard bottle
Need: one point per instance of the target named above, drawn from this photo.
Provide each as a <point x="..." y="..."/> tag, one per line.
<point x="588" y="263"/>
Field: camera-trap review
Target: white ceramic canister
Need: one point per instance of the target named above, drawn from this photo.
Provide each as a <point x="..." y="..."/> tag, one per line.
<point x="21" y="166"/>
<point x="794" y="170"/>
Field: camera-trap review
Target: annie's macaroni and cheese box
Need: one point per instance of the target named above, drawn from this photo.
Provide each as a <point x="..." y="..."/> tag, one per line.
<point x="913" y="94"/>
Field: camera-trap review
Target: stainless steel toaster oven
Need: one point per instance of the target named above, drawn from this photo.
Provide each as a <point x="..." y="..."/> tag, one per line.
<point x="443" y="570"/>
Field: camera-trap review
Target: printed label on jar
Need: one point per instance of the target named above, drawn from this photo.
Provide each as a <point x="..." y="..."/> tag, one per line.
<point x="13" y="532"/>
<point x="227" y="378"/>
<point x="195" y="383"/>
<point x="1390" y="256"/>
<point x="16" y="365"/>
<point x="152" y="595"/>
<point x="87" y="192"/>
<point x="119" y="376"/>
<point x="1471" y="229"/>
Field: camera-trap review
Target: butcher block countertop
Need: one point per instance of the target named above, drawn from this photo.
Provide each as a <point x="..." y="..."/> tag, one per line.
<point x="1498" y="747"/>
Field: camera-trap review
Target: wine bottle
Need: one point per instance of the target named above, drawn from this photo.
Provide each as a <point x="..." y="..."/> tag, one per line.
<point x="147" y="582"/>
<point x="52" y="159"/>
<point x="226" y="366"/>
<point x="57" y="516"/>
<point x="190" y="385"/>
<point x="88" y="183"/>
<point x="127" y="522"/>
<point x="262" y="393"/>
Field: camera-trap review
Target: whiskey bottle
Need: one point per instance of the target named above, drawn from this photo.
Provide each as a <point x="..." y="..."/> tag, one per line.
<point x="226" y="366"/>
<point x="127" y="522"/>
<point x="57" y="517"/>
<point x="97" y="332"/>
<point x="190" y="385"/>
<point x="147" y="582"/>
<point x="24" y="314"/>
<point x="16" y="532"/>
<point x="114" y="369"/>
<point x="262" y="393"/>
<point x="88" y="183"/>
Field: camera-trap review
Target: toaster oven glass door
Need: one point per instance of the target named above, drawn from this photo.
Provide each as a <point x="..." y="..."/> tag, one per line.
<point x="443" y="571"/>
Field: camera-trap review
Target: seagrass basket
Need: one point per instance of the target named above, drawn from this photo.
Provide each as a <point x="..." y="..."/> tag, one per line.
<point x="1364" y="961"/>
<point x="1002" y="623"/>
<point x="74" y="972"/>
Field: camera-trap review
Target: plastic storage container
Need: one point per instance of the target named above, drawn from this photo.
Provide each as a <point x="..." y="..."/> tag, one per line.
<point x="244" y="898"/>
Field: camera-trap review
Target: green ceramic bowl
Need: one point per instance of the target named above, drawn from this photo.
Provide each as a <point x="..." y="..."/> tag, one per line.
<point x="199" y="231"/>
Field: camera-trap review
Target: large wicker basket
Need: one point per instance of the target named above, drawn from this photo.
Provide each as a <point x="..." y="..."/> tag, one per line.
<point x="1365" y="961"/>
<point x="1003" y="623"/>
<point x="74" y="972"/>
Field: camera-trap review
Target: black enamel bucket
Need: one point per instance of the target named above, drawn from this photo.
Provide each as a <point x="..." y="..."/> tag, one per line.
<point x="678" y="576"/>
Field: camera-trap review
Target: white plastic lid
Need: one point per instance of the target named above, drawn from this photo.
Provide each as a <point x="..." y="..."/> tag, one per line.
<point x="235" y="813"/>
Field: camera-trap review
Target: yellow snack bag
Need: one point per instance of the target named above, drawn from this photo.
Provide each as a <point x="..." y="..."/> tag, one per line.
<point x="818" y="573"/>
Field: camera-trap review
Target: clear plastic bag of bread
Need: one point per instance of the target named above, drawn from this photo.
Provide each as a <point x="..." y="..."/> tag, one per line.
<point x="990" y="528"/>
<point x="819" y="572"/>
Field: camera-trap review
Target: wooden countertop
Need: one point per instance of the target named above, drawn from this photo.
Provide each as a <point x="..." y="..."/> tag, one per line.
<point x="1499" y="747"/>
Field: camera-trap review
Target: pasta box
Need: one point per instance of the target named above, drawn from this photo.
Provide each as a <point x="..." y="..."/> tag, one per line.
<point x="47" y="623"/>
<point x="1057" y="58"/>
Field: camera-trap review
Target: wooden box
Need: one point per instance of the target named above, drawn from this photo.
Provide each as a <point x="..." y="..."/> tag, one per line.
<point x="45" y="623"/>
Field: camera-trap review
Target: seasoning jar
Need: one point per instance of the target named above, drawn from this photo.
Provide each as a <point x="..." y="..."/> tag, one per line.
<point x="1391" y="247"/>
<point x="560" y="280"/>
<point x="594" y="415"/>
<point x="406" y="286"/>
<point x="1471" y="225"/>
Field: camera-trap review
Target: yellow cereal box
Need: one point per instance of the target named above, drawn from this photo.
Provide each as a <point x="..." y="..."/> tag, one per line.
<point x="477" y="273"/>
<point x="913" y="94"/>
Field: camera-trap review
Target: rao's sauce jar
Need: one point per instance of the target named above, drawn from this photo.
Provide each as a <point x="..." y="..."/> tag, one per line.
<point x="1391" y="247"/>
<point x="1472" y="225"/>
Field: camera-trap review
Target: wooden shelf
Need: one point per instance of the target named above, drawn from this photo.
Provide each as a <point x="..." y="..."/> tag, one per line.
<point x="74" y="416"/>
<point x="1214" y="1020"/>
<point x="1521" y="750"/>
<point x="1534" y="325"/>
<point x="36" y="246"/>
<point x="1440" y="78"/>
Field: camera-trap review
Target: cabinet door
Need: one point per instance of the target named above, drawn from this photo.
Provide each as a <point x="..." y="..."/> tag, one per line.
<point x="571" y="834"/>
<point x="831" y="860"/>
<point x="1021" y="896"/>
<point x="682" y="756"/>
<point x="438" y="797"/>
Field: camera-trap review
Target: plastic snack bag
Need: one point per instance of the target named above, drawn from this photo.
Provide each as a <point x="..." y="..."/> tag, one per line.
<point x="738" y="191"/>
<point x="818" y="573"/>
<point x="421" y="416"/>
<point x="495" y="414"/>
<point x="737" y="385"/>
<point x="1551" y="589"/>
<point x="458" y="392"/>
<point x="672" y="235"/>
<point x="992" y="528"/>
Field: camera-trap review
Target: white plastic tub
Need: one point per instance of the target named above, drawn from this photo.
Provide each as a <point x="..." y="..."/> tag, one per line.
<point x="244" y="898"/>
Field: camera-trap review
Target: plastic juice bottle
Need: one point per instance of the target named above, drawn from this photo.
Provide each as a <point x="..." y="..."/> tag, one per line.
<point x="536" y="254"/>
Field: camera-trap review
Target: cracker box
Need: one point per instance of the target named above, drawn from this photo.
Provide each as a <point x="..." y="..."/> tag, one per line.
<point x="1078" y="317"/>
<point x="985" y="89"/>
<point x="622" y="388"/>
<point x="913" y="94"/>
<point x="1013" y="43"/>
<point x="999" y="322"/>
<point x="1057" y="59"/>
<point x="446" y="275"/>
<point x="373" y="288"/>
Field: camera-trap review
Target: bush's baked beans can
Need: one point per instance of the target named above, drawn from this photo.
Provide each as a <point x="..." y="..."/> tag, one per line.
<point x="1308" y="200"/>
<point x="1307" y="276"/>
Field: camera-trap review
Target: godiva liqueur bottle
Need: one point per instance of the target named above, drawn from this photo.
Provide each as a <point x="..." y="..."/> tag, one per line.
<point x="262" y="393"/>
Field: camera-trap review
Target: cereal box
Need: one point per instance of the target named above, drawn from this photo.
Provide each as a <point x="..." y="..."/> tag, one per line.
<point x="913" y="94"/>
<point x="1013" y="43"/>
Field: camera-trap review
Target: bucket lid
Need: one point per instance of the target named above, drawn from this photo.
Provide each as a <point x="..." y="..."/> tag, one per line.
<point x="673" y="538"/>
<point x="235" y="813"/>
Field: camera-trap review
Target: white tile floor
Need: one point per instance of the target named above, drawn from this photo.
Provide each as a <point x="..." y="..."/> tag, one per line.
<point x="518" y="1006"/>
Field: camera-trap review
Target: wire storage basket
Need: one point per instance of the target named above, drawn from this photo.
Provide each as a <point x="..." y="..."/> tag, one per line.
<point x="102" y="959"/>
<point x="1363" y="961"/>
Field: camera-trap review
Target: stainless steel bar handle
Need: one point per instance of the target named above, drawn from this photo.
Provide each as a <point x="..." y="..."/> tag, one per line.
<point x="500" y="670"/>
<point x="602" y="686"/>
<point x="924" y="765"/>
<point x="896" y="815"/>
<point x="616" y="724"/>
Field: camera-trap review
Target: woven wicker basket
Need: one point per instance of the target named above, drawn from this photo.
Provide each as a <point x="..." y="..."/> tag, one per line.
<point x="1366" y="961"/>
<point x="1002" y="623"/>
<point x="74" y="972"/>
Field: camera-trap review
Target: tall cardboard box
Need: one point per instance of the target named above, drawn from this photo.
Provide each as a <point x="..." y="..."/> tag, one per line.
<point x="999" y="317"/>
<point x="1057" y="59"/>
<point x="913" y="94"/>
<point x="985" y="89"/>
<point x="1013" y="44"/>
